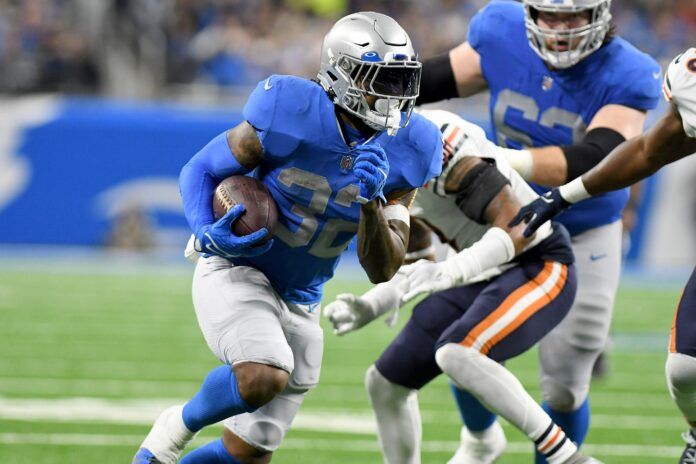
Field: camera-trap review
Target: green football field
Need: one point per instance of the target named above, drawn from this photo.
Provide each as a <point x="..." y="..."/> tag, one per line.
<point x="88" y="359"/>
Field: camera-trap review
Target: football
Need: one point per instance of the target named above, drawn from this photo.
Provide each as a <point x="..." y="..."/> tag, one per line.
<point x="261" y="210"/>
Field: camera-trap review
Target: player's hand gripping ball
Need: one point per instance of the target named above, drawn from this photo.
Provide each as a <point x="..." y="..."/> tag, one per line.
<point x="246" y="217"/>
<point x="371" y="168"/>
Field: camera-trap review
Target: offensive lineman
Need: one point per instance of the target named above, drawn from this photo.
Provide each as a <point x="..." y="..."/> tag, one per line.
<point x="492" y="301"/>
<point x="338" y="159"/>
<point x="564" y="92"/>
<point x="673" y="137"/>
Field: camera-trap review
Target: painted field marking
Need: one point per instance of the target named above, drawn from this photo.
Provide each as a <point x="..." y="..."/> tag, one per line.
<point x="335" y="445"/>
<point x="144" y="412"/>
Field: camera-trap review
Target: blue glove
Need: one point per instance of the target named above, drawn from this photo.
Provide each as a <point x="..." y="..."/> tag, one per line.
<point x="546" y="207"/>
<point x="218" y="238"/>
<point x="371" y="168"/>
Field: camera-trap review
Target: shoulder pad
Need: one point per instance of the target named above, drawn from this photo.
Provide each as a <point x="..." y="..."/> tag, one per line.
<point x="425" y="139"/>
<point x="280" y="108"/>
<point x="488" y="22"/>
<point x="642" y="91"/>
<point x="679" y="87"/>
<point x="460" y="138"/>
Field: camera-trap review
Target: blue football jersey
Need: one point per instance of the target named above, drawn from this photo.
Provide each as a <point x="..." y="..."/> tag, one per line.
<point x="532" y="106"/>
<point x="307" y="166"/>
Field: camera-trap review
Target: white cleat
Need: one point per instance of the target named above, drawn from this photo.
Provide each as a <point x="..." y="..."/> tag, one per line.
<point x="166" y="440"/>
<point x="483" y="448"/>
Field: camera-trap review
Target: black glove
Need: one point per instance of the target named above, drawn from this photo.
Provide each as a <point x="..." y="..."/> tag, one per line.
<point x="546" y="207"/>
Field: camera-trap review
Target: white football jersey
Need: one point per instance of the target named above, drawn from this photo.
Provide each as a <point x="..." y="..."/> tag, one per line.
<point x="439" y="210"/>
<point x="680" y="88"/>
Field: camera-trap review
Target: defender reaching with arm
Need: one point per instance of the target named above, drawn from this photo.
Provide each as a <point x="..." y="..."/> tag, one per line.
<point x="673" y="137"/>
<point x="497" y="297"/>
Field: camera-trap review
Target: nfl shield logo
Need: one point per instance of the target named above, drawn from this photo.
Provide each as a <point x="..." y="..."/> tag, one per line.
<point x="346" y="164"/>
<point x="547" y="83"/>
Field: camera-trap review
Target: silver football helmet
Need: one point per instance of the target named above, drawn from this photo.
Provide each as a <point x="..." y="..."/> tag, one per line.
<point x="369" y="54"/>
<point x="589" y="37"/>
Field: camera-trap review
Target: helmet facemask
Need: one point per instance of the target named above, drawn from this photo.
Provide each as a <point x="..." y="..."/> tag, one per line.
<point x="582" y="41"/>
<point x="393" y="85"/>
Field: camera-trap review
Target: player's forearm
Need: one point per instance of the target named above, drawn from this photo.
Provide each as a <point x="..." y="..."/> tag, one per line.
<point x="555" y="165"/>
<point x="381" y="246"/>
<point x="626" y="165"/>
<point x="201" y="174"/>
<point x="548" y="166"/>
<point x="641" y="156"/>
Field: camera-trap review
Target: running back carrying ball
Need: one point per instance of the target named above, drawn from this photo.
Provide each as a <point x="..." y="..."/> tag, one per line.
<point x="261" y="210"/>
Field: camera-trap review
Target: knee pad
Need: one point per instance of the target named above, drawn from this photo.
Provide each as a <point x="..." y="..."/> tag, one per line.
<point x="563" y="398"/>
<point x="681" y="373"/>
<point x="453" y="357"/>
<point x="265" y="428"/>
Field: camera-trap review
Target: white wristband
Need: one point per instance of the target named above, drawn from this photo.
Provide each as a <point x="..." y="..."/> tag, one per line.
<point x="386" y="296"/>
<point x="519" y="160"/>
<point x="493" y="249"/>
<point x="574" y="191"/>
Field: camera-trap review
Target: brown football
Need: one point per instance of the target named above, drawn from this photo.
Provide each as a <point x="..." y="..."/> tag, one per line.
<point x="260" y="208"/>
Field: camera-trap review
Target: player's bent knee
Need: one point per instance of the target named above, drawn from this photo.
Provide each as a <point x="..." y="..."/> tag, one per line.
<point x="243" y="452"/>
<point x="381" y="389"/>
<point x="681" y="372"/>
<point x="562" y="398"/>
<point x="259" y="383"/>
<point x="453" y="359"/>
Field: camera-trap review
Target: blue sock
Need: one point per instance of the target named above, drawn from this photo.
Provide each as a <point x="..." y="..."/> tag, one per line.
<point x="575" y="424"/>
<point x="212" y="453"/>
<point x="217" y="399"/>
<point x="475" y="415"/>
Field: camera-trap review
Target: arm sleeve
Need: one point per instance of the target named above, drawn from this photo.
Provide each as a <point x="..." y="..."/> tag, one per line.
<point x="200" y="176"/>
<point x="594" y="147"/>
<point x="437" y="80"/>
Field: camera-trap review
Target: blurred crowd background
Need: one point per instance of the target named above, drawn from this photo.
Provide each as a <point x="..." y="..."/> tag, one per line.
<point x="158" y="48"/>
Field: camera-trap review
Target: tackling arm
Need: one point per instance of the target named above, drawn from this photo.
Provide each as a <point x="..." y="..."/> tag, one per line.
<point x="552" y="166"/>
<point x="641" y="156"/>
<point x="632" y="161"/>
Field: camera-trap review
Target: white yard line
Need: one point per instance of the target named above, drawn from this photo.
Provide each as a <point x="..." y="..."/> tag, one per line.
<point x="614" y="399"/>
<point x="335" y="445"/>
<point x="144" y="412"/>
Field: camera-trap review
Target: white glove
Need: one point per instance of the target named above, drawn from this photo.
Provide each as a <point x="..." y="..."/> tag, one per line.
<point x="493" y="249"/>
<point x="349" y="312"/>
<point x="428" y="277"/>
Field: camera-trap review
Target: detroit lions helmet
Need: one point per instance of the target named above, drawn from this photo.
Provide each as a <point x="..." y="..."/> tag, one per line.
<point x="369" y="54"/>
<point x="589" y="37"/>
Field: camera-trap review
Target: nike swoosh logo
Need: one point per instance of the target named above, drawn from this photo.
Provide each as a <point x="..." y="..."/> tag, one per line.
<point x="267" y="85"/>
<point x="546" y="200"/>
<point x="597" y="257"/>
<point x="656" y="75"/>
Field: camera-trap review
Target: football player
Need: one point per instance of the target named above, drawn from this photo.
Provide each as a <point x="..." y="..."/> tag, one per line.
<point x="496" y="298"/>
<point x="673" y="137"/>
<point x="564" y="92"/>
<point x="338" y="158"/>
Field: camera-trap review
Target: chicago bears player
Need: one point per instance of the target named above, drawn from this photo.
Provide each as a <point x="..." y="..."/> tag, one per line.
<point x="564" y="92"/>
<point x="338" y="159"/>
<point x="673" y="137"/>
<point x="515" y="291"/>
